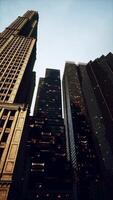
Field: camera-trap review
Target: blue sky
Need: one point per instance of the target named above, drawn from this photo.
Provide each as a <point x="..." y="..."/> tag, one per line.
<point x="69" y="30"/>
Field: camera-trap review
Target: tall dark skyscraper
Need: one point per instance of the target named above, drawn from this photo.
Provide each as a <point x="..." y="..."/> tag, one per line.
<point x="88" y="119"/>
<point x="80" y="146"/>
<point x="17" y="57"/>
<point x="49" y="96"/>
<point x="97" y="83"/>
<point x="49" y="172"/>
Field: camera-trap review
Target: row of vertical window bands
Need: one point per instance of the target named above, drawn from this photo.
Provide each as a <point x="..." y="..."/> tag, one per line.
<point x="3" y="98"/>
<point x="12" y="25"/>
<point x="16" y="60"/>
<point x="18" y="55"/>
<point x="11" y="75"/>
<point x="9" y="56"/>
<point x="6" y="95"/>
<point x="9" y="80"/>
<point x="6" y="112"/>
<point x="4" y="91"/>
<point x="10" y="50"/>
<point x="16" y="63"/>
<point x="2" y="42"/>
<point x="7" y="127"/>
<point x="23" y="47"/>
<point x="12" y="69"/>
<point x="6" y="85"/>
<point x="12" y="43"/>
<point x="4" y="137"/>
<point x="4" y="116"/>
<point x="21" y="50"/>
<point x="17" y="23"/>
<point x="7" y="35"/>
<point x="2" y="39"/>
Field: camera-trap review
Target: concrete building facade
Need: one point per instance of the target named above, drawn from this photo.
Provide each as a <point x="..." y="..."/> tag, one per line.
<point x="17" y="57"/>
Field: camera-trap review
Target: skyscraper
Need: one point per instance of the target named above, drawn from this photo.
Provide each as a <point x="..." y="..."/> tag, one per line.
<point x="97" y="83"/>
<point x="80" y="146"/>
<point x="49" y="173"/>
<point x="17" y="57"/>
<point x="48" y="99"/>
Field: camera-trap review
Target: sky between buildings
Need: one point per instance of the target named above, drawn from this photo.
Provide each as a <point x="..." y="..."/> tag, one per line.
<point x="69" y="30"/>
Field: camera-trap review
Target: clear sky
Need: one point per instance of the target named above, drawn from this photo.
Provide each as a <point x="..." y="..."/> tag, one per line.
<point x="69" y="30"/>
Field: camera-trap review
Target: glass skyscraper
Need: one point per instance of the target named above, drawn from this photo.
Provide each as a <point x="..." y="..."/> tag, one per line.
<point x="49" y="171"/>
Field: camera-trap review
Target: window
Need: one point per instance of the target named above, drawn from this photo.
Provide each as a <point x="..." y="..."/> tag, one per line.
<point x="2" y="121"/>
<point x="6" y="99"/>
<point x="13" y="113"/>
<point x="9" y="123"/>
<point x="59" y="196"/>
<point x="1" y="152"/>
<point x="5" y="112"/>
<point x="47" y="195"/>
<point x="4" y="137"/>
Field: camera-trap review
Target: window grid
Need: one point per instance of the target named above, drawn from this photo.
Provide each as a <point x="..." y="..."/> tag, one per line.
<point x="14" y="62"/>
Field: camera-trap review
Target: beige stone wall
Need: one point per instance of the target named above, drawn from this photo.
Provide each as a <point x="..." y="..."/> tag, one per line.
<point x="12" y="118"/>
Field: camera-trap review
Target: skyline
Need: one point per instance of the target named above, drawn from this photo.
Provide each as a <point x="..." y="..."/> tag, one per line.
<point x="68" y="30"/>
